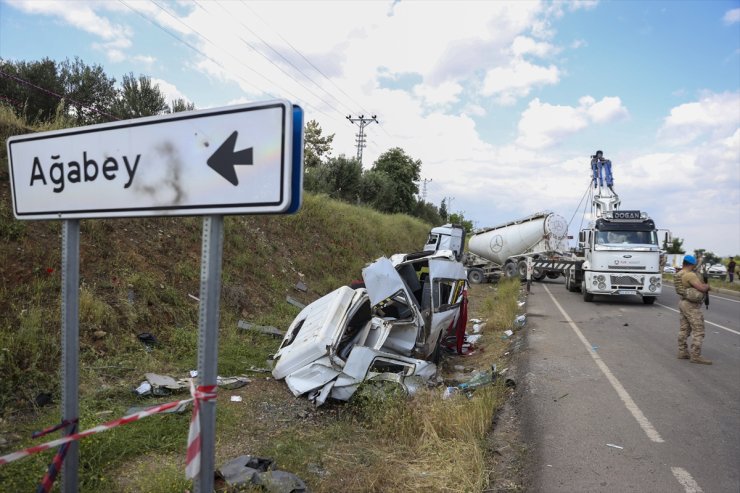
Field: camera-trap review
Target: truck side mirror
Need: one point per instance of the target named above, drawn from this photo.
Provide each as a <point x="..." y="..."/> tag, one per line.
<point x="582" y="238"/>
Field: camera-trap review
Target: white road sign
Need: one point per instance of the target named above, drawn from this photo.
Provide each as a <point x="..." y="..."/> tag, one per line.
<point x="244" y="159"/>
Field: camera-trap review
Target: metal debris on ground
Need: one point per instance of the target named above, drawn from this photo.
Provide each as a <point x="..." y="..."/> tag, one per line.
<point x="614" y="446"/>
<point x="230" y="383"/>
<point x="194" y="297"/>
<point x="301" y="286"/>
<point x="247" y="470"/>
<point x="264" y="329"/>
<point x="295" y="302"/>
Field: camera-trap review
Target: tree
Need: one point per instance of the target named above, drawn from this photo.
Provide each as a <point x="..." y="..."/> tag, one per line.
<point x="427" y="212"/>
<point x="89" y="93"/>
<point x="459" y="218"/>
<point x="377" y="190"/>
<point x="404" y="172"/>
<point x="675" y="246"/>
<point x="179" y="105"/>
<point x="708" y="258"/>
<point x="339" y="177"/>
<point x="315" y="146"/>
<point x="32" y="88"/>
<point x="443" y="210"/>
<point x="139" y="97"/>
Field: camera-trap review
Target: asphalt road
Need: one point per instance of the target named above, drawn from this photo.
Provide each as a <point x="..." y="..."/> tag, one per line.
<point x="607" y="406"/>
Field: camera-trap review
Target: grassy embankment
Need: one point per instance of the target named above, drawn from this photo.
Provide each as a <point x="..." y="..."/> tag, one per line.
<point x="136" y="275"/>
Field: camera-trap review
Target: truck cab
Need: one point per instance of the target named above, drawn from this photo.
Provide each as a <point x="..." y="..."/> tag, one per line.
<point x="621" y="254"/>
<point x="447" y="237"/>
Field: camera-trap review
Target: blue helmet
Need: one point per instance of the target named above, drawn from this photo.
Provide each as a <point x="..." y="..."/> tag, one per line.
<point x="689" y="259"/>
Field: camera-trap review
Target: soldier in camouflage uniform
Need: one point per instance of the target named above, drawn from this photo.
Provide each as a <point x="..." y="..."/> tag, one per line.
<point x="691" y="290"/>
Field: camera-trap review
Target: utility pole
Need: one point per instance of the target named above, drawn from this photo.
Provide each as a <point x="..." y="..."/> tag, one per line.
<point x="361" y="122"/>
<point x="424" y="188"/>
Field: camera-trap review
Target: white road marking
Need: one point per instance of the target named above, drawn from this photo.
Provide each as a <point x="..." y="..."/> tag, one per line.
<point x="644" y="423"/>
<point x="688" y="483"/>
<point x="726" y="299"/>
<point x="705" y="321"/>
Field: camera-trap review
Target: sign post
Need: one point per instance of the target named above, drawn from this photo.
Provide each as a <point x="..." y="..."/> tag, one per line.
<point x="210" y="290"/>
<point x="70" y="346"/>
<point x="245" y="159"/>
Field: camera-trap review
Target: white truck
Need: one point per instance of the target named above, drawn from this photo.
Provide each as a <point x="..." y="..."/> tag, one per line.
<point x="504" y="249"/>
<point x="617" y="253"/>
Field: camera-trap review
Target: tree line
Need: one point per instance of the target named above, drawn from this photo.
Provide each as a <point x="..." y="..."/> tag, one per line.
<point x="42" y="91"/>
<point x="38" y="91"/>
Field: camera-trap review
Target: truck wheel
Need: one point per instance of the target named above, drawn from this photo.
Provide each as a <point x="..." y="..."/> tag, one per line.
<point x="568" y="284"/>
<point x="510" y="270"/>
<point x="648" y="300"/>
<point x="538" y="273"/>
<point x="587" y="297"/>
<point x="476" y="275"/>
<point x="522" y="269"/>
<point x="552" y="274"/>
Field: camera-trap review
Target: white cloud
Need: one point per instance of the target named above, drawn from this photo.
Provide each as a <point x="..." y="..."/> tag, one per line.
<point x="170" y="91"/>
<point x="544" y="125"/>
<point x="607" y="110"/>
<point x="524" y="45"/>
<point x="732" y="16"/>
<point x="713" y="114"/>
<point x="444" y="93"/>
<point x="516" y="80"/>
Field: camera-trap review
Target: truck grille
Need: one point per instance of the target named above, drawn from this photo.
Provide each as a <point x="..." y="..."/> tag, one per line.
<point x="626" y="281"/>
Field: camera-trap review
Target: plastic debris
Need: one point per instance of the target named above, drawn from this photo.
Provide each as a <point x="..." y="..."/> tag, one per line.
<point x="473" y="339"/>
<point x="480" y="379"/>
<point x="520" y="321"/>
<point x="265" y="329"/>
<point x="144" y="389"/>
<point x="475" y="320"/>
<point x="236" y="398"/>
<point x="449" y="392"/>
<point x="193" y="373"/>
<point x="508" y="333"/>
<point x="177" y="409"/>
<point x="194" y="297"/>
<point x="614" y="446"/>
<point x="594" y="348"/>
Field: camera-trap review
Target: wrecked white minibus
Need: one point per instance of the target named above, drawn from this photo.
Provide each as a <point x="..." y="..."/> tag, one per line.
<point x="390" y="329"/>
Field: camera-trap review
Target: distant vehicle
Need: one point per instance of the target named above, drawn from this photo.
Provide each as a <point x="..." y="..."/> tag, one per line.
<point x="504" y="249"/>
<point x="717" y="271"/>
<point x="669" y="269"/>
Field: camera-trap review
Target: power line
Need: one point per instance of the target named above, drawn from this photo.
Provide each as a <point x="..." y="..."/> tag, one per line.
<point x="284" y="58"/>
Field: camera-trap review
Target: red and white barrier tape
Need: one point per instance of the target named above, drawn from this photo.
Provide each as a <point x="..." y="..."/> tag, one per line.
<point x="201" y="393"/>
<point x="192" y="456"/>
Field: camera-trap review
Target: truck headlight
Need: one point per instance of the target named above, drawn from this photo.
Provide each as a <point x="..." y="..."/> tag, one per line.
<point x="654" y="280"/>
<point x="602" y="286"/>
<point x="600" y="278"/>
<point x="652" y="288"/>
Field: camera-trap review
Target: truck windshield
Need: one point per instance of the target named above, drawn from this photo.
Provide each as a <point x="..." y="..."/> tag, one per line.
<point x="613" y="238"/>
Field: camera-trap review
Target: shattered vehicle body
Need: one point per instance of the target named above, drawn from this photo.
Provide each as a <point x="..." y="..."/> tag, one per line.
<point x="391" y="329"/>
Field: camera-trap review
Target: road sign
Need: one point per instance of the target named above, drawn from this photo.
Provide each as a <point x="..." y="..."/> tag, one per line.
<point x="245" y="159"/>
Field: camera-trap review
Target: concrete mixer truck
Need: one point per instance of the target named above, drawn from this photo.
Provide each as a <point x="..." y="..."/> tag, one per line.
<point x="504" y="249"/>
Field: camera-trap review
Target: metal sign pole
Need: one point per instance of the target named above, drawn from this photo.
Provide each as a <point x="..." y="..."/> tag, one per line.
<point x="70" y="345"/>
<point x="210" y="290"/>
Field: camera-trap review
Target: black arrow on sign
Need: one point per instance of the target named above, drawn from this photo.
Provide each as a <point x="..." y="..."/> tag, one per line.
<point x="224" y="159"/>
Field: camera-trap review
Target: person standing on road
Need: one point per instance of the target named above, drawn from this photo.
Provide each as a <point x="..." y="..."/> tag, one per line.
<point x="691" y="290"/>
<point x="731" y="268"/>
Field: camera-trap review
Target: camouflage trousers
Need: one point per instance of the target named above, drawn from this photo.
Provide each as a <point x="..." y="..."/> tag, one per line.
<point x="692" y="324"/>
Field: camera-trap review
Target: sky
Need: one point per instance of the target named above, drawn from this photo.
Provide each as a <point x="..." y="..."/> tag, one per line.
<point x="503" y="102"/>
